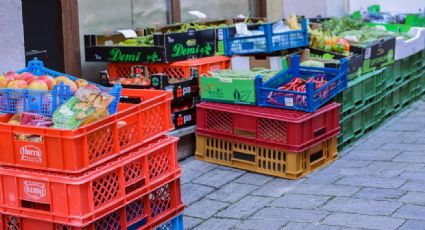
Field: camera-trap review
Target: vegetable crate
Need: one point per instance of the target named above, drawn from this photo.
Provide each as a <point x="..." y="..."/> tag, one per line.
<point x="45" y="102"/>
<point x="137" y="214"/>
<point x="285" y="129"/>
<point x="361" y="122"/>
<point x="78" y="200"/>
<point x="362" y="91"/>
<point x="277" y="92"/>
<point x="184" y="113"/>
<point x="266" y="42"/>
<point x="265" y="159"/>
<point x="166" y="48"/>
<point x="181" y="69"/>
<point x="73" y="151"/>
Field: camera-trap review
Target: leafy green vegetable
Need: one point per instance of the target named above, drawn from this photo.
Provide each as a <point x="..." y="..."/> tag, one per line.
<point x="229" y="73"/>
<point x="337" y="25"/>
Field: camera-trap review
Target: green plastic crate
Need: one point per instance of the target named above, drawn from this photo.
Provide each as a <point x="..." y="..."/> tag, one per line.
<point x="356" y="125"/>
<point x="364" y="90"/>
<point x="393" y="102"/>
<point x="393" y="75"/>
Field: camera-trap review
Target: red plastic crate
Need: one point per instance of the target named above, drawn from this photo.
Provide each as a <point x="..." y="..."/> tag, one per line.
<point x="135" y="215"/>
<point x="80" y="199"/>
<point x="181" y="69"/>
<point x="73" y="151"/>
<point x="285" y="129"/>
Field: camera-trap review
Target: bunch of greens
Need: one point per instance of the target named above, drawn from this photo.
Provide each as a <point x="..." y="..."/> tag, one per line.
<point x="140" y="41"/>
<point x="337" y="25"/>
<point x="249" y="74"/>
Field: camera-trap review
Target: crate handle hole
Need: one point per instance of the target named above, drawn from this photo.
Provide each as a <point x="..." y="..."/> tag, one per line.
<point x="28" y="137"/>
<point x="244" y="156"/>
<point x="319" y="132"/>
<point x="135" y="186"/>
<point x="35" y="205"/>
<point x="316" y="156"/>
<point x="244" y="133"/>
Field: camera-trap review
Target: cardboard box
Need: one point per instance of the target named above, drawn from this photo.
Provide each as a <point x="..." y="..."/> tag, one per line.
<point x="251" y="62"/>
<point x="167" y="48"/>
<point x="355" y="64"/>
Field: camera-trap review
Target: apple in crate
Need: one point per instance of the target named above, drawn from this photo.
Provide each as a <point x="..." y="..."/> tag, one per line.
<point x="38" y="84"/>
<point x="73" y="87"/>
<point x="17" y="84"/>
<point x="28" y="77"/>
<point x="50" y="81"/>
<point x="3" y="82"/>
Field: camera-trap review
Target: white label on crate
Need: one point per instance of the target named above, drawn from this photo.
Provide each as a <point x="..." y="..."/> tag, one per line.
<point x="220" y="34"/>
<point x="35" y="190"/>
<point x="128" y="33"/>
<point x="289" y="101"/>
<point x="367" y="53"/>
<point x="198" y="14"/>
<point x="31" y="153"/>
<point x="241" y="28"/>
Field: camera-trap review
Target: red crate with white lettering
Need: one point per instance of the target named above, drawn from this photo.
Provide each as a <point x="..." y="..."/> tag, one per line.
<point x="80" y="199"/>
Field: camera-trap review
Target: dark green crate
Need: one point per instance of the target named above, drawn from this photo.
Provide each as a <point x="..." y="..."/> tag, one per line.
<point x="392" y="102"/>
<point x="393" y="75"/>
<point x="362" y="91"/>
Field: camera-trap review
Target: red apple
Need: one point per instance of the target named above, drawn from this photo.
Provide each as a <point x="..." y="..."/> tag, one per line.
<point x="50" y="81"/>
<point x="60" y="78"/>
<point x="11" y="76"/>
<point x="28" y="78"/>
<point x="17" y="84"/>
<point x="38" y="84"/>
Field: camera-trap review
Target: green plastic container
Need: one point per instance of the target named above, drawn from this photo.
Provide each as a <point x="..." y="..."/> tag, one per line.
<point x="362" y="91"/>
<point x="228" y="90"/>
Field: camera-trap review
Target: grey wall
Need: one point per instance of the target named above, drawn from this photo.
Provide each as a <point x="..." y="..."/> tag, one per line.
<point x="12" y="52"/>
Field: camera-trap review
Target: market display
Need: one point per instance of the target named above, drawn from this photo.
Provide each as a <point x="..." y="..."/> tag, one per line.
<point x="285" y="98"/>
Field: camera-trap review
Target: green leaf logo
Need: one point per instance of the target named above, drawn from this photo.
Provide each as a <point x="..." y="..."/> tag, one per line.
<point x="236" y="95"/>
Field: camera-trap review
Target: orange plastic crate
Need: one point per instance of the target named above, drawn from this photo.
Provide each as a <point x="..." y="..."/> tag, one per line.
<point x="78" y="200"/>
<point x="134" y="215"/>
<point x="73" y="151"/>
<point x="181" y="69"/>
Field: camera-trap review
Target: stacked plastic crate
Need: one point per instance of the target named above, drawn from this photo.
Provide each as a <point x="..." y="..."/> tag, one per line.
<point x="283" y="132"/>
<point x="118" y="173"/>
<point x="173" y="62"/>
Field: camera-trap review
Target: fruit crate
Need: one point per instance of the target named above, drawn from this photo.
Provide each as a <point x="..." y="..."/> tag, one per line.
<point x="356" y="125"/>
<point x="180" y="69"/>
<point x="80" y="199"/>
<point x="45" y="102"/>
<point x="138" y="214"/>
<point x="269" y="94"/>
<point x="184" y="113"/>
<point x="362" y="91"/>
<point x="73" y="151"/>
<point x="285" y="129"/>
<point x="264" y="159"/>
<point x="266" y="42"/>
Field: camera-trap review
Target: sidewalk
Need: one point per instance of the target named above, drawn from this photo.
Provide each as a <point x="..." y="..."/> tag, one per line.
<point x="379" y="183"/>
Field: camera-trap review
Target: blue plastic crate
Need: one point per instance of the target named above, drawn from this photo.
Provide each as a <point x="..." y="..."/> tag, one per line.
<point x="174" y="224"/>
<point x="267" y="42"/>
<point x="45" y="102"/>
<point x="269" y="95"/>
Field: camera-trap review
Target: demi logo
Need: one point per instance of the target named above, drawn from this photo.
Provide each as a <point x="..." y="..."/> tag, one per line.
<point x="35" y="190"/>
<point x="31" y="153"/>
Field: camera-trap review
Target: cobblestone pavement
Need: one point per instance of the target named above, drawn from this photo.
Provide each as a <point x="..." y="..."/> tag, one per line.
<point x="379" y="183"/>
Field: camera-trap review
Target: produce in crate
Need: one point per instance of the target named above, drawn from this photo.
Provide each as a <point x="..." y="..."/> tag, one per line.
<point x="249" y="74"/>
<point x="86" y="106"/>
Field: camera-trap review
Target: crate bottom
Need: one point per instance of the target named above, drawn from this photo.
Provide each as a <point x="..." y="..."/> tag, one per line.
<point x="264" y="160"/>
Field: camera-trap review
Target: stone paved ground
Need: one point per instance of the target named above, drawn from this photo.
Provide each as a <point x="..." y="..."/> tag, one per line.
<point x="379" y="183"/>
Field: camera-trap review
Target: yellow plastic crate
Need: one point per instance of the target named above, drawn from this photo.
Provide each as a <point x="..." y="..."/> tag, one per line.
<point x="275" y="162"/>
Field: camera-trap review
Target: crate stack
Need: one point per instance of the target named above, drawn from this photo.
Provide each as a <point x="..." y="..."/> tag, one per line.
<point x="374" y="97"/>
<point x="118" y="173"/>
<point x="258" y="126"/>
<point x="173" y="62"/>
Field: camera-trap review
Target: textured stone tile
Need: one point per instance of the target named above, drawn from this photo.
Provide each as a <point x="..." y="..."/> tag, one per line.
<point x="232" y="192"/>
<point x="320" y="178"/>
<point x="276" y="187"/>
<point x="363" y="221"/>
<point x="188" y="175"/>
<point x="217" y="178"/>
<point x="379" y="194"/>
<point x="308" y="226"/>
<point x="411" y="157"/>
<point x="413" y="175"/>
<point x="414" y="186"/>
<point x="414" y="212"/>
<point x="254" y="224"/>
<point x="286" y="214"/>
<point x="323" y="189"/>
<point x="413" y="225"/>
<point x="373" y="182"/>
<point x="190" y="222"/>
<point x="194" y="192"/>
<point x="361" y="206"/>
<point x="217" y="224"/>
<point x="413" y="198"/>
<point x="205" y="208"/>
<point x="403" y="147"/>
<point x="245" y="207"/>
<point x="300" y="201"/>
<point x="197" y="165"/>
<point x="373" y="155"/>
<point x="254" y="179"/>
